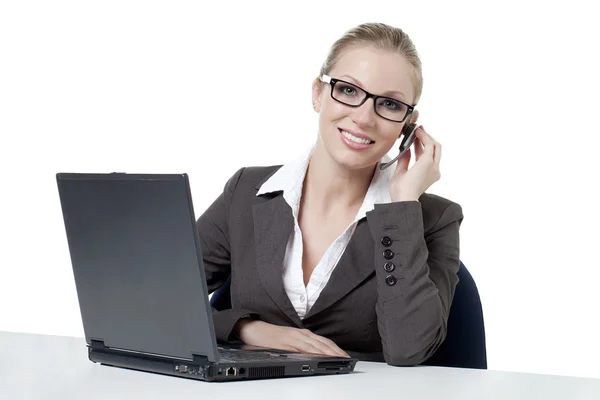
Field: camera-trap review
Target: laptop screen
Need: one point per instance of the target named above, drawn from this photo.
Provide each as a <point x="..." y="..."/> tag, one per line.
<point x="137" y="263"/>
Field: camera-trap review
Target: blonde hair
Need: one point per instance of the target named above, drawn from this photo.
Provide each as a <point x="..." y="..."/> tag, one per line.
<point x="380" y="36"/>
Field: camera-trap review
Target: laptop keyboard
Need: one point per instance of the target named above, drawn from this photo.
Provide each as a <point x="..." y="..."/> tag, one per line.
<point x="241" y="355"/>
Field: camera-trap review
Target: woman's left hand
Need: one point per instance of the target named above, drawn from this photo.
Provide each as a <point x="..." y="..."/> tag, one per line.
<point x="409" y="185"/>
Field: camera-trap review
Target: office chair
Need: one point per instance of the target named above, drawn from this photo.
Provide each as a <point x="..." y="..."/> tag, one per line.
<point x="221" y="298"/>
<point x="464" y="346"/>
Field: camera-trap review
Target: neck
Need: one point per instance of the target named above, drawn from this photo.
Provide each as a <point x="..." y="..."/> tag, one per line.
<point x="330" y="186"/>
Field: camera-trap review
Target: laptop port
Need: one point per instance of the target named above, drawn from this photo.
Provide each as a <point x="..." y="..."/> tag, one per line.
<point x="305" y="368"/>
<point x="334" y="365"/>
<point x="181" y="368"/>
<point x="231" y="371"/>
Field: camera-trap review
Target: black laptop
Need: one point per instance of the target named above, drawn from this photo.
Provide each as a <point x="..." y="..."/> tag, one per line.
<point x="141" y="285"/>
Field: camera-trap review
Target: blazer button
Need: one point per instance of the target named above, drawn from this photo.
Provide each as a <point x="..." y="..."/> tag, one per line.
<point x="388" y="254"/>
<point x="390" y="280"/>
<point x="386" y="241"/>
<point x="389" y="267"/>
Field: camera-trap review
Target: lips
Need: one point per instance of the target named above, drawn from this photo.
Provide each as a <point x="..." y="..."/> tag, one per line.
<point x="354" y="143"/>
<point x="356" y="137"/>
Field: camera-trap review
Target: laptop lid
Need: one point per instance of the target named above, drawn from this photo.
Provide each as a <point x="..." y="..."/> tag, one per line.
<point x="137" y="263"/>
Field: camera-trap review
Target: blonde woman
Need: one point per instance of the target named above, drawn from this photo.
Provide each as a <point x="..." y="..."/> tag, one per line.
<point x="330" y="253"/>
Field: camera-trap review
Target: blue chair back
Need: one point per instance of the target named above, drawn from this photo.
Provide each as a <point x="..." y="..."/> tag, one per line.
<point x="221" y="298"/>
<point x="464" y="346"/>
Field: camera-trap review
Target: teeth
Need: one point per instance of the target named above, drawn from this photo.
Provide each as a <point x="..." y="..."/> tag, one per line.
<point x="355" y="139"/>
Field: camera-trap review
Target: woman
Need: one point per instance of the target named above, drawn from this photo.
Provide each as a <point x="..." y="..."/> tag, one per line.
<point x="329" y="253"/>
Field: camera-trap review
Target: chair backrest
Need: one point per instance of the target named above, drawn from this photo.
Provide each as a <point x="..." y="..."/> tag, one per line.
<point x="464" y="345"/>
<point x="221" y="298"/>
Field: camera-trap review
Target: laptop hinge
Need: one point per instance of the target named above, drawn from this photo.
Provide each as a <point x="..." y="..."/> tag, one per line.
<point x="99" y="346"/>
<point x="197" y="359"/>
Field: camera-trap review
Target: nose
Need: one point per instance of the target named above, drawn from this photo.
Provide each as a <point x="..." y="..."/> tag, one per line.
<point x="365" y="114"/>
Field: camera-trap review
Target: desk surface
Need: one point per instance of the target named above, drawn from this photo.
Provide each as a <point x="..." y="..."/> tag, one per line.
<point x="53" y="367"/>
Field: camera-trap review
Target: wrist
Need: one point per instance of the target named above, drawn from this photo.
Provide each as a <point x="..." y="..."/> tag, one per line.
<point x="240" y="325"/>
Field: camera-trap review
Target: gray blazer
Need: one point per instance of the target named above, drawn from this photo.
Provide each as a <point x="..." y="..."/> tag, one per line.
<point x="387" y="299"/>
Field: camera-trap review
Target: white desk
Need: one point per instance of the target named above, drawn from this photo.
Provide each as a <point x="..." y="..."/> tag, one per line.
<point x="52" y="367"/>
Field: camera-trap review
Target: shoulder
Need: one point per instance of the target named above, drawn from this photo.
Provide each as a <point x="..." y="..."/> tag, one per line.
<point x="249" y="179"/>
<point x="439" y="211"/>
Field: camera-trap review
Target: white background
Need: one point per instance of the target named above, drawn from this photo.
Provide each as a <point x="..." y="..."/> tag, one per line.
<point x="147" y="86"/>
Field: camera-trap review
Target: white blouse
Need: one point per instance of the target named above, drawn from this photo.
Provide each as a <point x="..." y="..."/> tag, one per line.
<point x="290" y="179"/>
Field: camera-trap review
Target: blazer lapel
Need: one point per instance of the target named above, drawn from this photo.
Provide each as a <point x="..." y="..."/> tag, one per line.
<point x="273" y="225"/>
<point x="355" y="265"/>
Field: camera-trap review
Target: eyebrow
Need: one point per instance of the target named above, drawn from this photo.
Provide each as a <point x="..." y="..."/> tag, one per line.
<point x="387" y="93"/>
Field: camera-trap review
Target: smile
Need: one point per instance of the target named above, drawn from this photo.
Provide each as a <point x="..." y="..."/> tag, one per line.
<point x="355" y="139"/>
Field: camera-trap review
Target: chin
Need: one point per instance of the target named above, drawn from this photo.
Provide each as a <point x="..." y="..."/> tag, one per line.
<point x="350" y="159"/>
<point x="353" y="160"/>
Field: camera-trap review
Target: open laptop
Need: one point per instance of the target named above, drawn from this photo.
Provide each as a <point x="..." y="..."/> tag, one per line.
<point x="141" y="285"/>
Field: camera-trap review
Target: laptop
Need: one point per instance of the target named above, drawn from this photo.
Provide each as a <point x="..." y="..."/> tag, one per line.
<point x="141" y="286"/>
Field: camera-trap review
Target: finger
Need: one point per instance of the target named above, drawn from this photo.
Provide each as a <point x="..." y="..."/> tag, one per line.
<point x="437" y="155"/>
<point x="288" y="347"/>
<point x="436" y="144"/>
<point x="437" y="150"/>
<point x="331" y="344"/>
<point x="428" y="143"/>
<point x="326" y="349"/>
<point x="328" y="342"/>
<point x="325" y="341"/>
<point x="403" y="162"/>
<point x="307" y="336"/>
<point x="315" y="340"/>
<point x="418" y="148"/>
<point x="310" y="345"/>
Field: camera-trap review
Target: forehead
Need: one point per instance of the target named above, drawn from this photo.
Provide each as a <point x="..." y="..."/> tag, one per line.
<point x="379" y="71"/>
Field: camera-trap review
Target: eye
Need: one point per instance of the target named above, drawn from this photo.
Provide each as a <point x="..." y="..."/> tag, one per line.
<point x="348" y="90"/>
<point x="392" y="105"/>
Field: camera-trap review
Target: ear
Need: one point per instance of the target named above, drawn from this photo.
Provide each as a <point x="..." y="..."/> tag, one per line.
<point x="414" y="117"/>
<point x="316" y="94"/>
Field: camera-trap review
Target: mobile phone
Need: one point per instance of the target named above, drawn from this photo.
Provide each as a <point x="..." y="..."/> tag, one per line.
<point x="408" y="138"/>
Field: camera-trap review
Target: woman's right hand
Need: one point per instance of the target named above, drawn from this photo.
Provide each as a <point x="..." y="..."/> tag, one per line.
<point x="260" y="333"/>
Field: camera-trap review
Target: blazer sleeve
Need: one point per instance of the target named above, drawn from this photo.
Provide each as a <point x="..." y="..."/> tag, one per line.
<point x="413" y="300"/>
<point x="213" y="230"/>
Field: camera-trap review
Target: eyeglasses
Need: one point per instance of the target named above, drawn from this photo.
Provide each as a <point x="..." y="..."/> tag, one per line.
<point x="351" y="95"/>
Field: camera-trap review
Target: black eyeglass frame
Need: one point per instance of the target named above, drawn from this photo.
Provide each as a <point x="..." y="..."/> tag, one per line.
<point x="333" y="81"/>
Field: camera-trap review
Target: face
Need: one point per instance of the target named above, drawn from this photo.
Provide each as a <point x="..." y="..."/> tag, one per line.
<point x="380" y="73"/>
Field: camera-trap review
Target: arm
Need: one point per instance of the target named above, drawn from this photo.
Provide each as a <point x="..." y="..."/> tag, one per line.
<point x="213" y="230"/>
<point x="412" y="314"/>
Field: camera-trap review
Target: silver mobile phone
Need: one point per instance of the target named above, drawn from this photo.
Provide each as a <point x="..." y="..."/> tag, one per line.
<point x="409" y="136"/>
